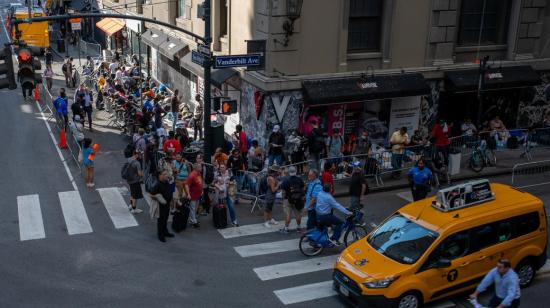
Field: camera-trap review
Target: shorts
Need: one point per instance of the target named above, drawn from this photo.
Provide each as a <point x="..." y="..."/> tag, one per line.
<point x="180" y="186"/>
<point x="135" y="191"/>
<point x="173" y="187"/>
<point x="288" y="209"/>
<point x="269" y="206"/>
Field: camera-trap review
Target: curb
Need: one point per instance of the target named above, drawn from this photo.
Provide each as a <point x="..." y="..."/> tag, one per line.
<point x="406" y="185"/>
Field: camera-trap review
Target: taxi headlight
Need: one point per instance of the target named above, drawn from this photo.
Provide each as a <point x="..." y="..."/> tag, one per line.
<point x="381" y="283"/>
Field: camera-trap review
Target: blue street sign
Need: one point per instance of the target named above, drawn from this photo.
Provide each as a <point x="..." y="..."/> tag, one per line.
<point x="237" y="60"/>
<point x="197" y="57"/>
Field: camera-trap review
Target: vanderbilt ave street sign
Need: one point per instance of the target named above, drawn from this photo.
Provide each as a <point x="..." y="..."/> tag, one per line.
<point x="237" y="60"/>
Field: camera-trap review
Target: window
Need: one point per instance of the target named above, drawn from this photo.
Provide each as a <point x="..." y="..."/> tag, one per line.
<point x="527" y="223"/>
<point x="484" y="22"/>
<point x="182" y="8"/>
<point x="453" y="247"/>
<point x="485" y="236"/>
<point x="223" y="18"/>
<point x="365" y="25"/>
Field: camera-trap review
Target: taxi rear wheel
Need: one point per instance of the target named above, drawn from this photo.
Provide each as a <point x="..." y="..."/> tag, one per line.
<point x="526" y="272"/>
<point x="409" y="300"/>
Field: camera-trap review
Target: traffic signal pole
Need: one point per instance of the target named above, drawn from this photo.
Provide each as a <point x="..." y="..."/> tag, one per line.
<point x="207" y="65"/>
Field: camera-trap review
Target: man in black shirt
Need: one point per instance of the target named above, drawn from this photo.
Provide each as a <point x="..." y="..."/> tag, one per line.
<point x="276" y="144"/>
<point x="163" y="188"/>
<point x="293" y="188"/>
<point x="235" y="162"/>
<point x="358" y="187"/>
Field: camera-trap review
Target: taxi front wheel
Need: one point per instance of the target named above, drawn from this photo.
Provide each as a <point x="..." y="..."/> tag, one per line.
<point x="409" y="300"/>
<point x="526" y="272"/>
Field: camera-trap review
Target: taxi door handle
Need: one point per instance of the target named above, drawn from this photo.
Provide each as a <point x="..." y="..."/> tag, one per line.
<point x="482" y="258"/>
<point x="464" y="264"/>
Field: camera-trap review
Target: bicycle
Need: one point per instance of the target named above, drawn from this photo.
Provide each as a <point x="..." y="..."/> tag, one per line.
<point x="482" y="157"/>
<point x="315" y="241"/>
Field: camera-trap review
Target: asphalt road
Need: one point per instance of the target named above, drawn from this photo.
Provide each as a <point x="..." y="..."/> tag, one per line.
<point x="127" y="266"/>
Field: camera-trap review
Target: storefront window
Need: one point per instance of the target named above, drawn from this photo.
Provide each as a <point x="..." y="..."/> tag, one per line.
<point x="484" y="22"/>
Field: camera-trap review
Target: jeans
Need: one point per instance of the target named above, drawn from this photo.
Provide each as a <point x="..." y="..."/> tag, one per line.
<point x="444" y="150"/>
<point x="162" y="221"/>
<point x="354" y="202"/>
<point x="311" y="219"/>
<point x="197" y="130"/>
<point x="88" y="111"/>
<point x="330" y="219"/>
<point x="396" y="163"/>
<point x="314" y="160"/>
<point x="277" y="158"/>
<point x="174" y="120"/>
<point x="193" y="211"/>
<point x="495" y="301"/>
<point x="231" y="208"/>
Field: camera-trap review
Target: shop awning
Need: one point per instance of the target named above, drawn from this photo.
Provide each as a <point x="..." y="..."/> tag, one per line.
<point x="218" y="77"/>
<point x="352" y="89"/>
<point x="153" y="38"/>
<point x="495" y="79"/>
<point x="110" y="25"/>
<point x="172" y="47"/>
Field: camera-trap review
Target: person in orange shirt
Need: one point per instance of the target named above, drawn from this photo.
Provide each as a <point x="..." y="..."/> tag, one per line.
<point x="220" y="158"/>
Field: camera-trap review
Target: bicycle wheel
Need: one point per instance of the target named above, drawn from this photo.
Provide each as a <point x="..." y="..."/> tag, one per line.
<point x="491" y="158"/>
<point x="476" y="162"/>
<point x="354" y="234"/>
<point x="309" y="248"/>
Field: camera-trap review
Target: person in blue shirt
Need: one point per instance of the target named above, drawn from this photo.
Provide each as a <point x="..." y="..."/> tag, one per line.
<point x="506" y="281"/>
<point x="325" y="204"/>
<point x="61" y="104"/>
<point x="313" y="188"/>
<point x="420" y="178"/>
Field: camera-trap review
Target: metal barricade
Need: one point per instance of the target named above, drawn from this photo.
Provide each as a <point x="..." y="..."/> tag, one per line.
<point x="538" y="171"/>
<point x="90" y="49"/>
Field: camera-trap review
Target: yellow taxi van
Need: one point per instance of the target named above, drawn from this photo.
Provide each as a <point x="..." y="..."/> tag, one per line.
<point x="34" y="34"/>
<point x="444" y="245"/>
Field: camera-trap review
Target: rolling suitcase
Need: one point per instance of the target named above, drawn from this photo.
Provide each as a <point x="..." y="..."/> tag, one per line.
<point x="181" y="216"/>
<point x="219" y="216"/>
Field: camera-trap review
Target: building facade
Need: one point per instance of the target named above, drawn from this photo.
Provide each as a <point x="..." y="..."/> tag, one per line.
<point x="361" y="64"/>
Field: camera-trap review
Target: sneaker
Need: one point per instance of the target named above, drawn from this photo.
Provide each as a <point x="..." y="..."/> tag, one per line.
<point x="267" y="225"/>
<point x="235" y="224"/>
<point x="335" y="243"/>
<point x="136" y="211"/>
<point x="273" y="222"/>
<point x="92" y="184"/>
<point x="284" y="230"/>
<point x="300" y="229"/>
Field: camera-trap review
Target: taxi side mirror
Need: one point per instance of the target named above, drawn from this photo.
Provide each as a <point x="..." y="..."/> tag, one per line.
<point x="443" y="263"/>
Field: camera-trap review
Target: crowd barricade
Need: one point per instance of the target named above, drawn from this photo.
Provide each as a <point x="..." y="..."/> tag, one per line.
<point x="527" y="171"/>
<point x="47" y="108"/>
<point x="90" y="49"/>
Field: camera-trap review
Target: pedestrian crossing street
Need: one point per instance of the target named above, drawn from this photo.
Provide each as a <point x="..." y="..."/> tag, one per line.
<point x="287" y="247"/>
<point x="31" y="219"/>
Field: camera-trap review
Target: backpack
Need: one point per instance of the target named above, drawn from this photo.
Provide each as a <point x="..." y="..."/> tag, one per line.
<point x="296" y="196"/>
<point x="248" y="142"/>
<point x="151" y="183"/>
<point x="330" y="141"/>
<point x="317" y="142"/>
<point x="125" y="171"/>
<point x="262" y="189"/>
<point x="64" y="67"/>
<point x="129" y="150"/>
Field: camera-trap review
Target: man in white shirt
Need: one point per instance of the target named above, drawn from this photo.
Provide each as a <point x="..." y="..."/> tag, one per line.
<point x="468" y="128"/>
<point x="113" y="67"/>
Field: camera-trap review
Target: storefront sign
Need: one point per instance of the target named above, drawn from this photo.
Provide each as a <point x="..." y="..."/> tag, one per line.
<point x="280" y="104"/>
<point x="492" y="76"/>
<point x="237" y="61"/>
<point x="367" y="85"/>
<point x="405" y="112"/>
<point x="76" y="26"/>
<point x="336" y="118"/>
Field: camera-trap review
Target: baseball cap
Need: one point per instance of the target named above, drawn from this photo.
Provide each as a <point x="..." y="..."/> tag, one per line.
<point x="291" y="170"/>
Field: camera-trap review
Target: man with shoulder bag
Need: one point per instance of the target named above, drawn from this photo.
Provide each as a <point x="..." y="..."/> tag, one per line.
<point x="293" y="188"/>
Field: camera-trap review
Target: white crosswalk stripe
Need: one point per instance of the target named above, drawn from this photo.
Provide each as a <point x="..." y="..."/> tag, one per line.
<point x="117" y="208"/>
<point x="305" y="293"/>
<point x="74" y="213"/>
<point x="31" y="226"/>
<point x="295" y="268"/>
<point x="267" y="248"/>
<point x="255" y="229"/>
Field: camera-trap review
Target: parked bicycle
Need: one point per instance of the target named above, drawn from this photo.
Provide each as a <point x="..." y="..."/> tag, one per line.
<point x="315" y="241"/>
<point x="482" y="157"/>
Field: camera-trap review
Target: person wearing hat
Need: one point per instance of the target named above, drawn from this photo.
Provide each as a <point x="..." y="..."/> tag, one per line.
<point x="276" y="143"/>
<point x="293" y="199"/>
<point x="77" y="129"/>
<point x="358" y="186"/>
<point x="270" y="195"/>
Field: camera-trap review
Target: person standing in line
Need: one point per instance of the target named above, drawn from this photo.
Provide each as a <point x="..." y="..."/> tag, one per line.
<point x="316" y="144"/>
<point x="77" y="129"/>
<point x="163" y="188"/>
<point x="270" y="195"/>
<point x="88" y="163"/>
<point x="276" y="144"/>
<point x="169" y="166"/>
<point x="194" y="190"/>
<point x="175" y="108"/>
<point x="399" y="139"/>
<point x="242" y="141"/>
<point x="506" y="281"/>
<point x="172" y="143"/>
<point x="113" y="67"/>
<point x="48" y="75"/>
<point x="256" y="157"/>
<point x="420" y="178"/>
<point x="221" y="183"/>
<point x="358" y="187"/>
<point x="235" y="162"/>
<point x="48" y="56"/>
<point x="61" y="106"/>
<point x="327" y="177"/>
<point x="314" y="186"/>
<point x="334" y="147"/>
<point x="183" y="169"/>
<point x="441" y="132"/>
<point x="88" y="106"/>
<point x="197" y="118"/>
<point x="207" y="173"/>
<point x="134" y="175"/>
<point x="293" y="199"/>
<point x="67" y="69"/>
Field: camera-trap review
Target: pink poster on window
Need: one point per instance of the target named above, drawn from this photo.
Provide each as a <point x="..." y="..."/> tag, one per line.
<point x="336" y="118"/>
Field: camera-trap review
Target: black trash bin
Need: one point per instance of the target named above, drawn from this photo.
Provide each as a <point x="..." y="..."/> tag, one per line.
<point x="61" y="45"/>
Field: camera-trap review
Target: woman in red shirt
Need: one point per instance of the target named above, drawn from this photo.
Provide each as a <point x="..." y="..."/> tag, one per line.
<point x="326" y="176"/>
<point x="194" y="191"/>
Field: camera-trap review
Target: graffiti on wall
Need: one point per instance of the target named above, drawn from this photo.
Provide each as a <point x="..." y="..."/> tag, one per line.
<point x="429" y="106"/>
<point x="535" y="109"/>
<point x="279" y="108"/>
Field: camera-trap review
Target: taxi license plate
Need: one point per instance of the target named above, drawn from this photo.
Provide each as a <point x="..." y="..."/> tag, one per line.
<point x="344" y="291"/>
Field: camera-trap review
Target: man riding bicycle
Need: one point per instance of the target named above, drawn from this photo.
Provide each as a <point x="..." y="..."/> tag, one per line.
<point x="325" y="204"/>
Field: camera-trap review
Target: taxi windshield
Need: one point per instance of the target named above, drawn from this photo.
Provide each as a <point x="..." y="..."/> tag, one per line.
<point x="402" y="240"/>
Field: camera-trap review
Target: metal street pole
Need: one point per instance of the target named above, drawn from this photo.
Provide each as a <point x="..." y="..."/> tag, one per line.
<point x="139" y="66"/>
<point x="481" y="83"/>
<point x="207" y="64"/>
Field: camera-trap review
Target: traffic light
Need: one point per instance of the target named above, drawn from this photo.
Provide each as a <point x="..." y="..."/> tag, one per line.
<point x="28" y="65"/>
<point x="6" y="68"/>
<point x="229" y="106"/>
